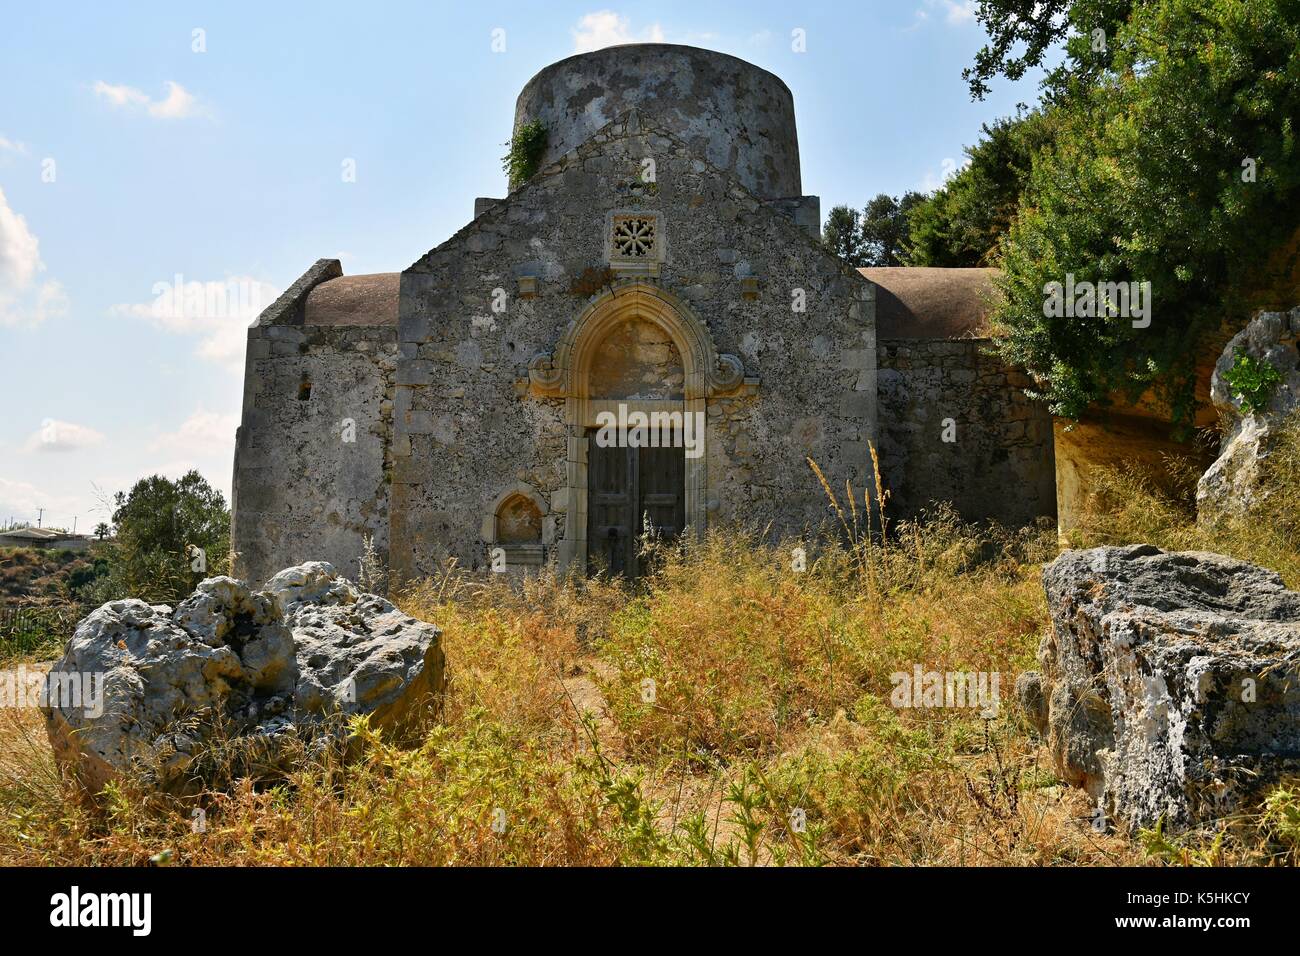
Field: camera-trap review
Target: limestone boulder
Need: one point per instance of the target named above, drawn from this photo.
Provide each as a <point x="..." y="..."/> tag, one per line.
<point x="156" y="689"/>
<point x="1231" y="485"/>
<point x="1169" y="684"/>
<point x="315" y="582"/>
<point x="357" y="653"/>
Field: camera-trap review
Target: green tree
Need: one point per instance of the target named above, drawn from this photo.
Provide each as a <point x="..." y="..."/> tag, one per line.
<point x="170" y="535"/>
<point x="885" y="229"/>
<point x="1178" y="167"/>
<point x="962" y="223"/>
<point x="842" y="235"/>
<point x="1023" y="33"/>
<point x="877" y="236"/>
<point x="101" y="530"/>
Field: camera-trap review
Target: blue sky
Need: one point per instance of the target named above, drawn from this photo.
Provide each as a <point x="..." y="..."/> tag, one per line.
<point x="128" y="158"/>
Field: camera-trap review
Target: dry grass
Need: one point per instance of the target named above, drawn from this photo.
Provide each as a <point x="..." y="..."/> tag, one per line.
<point x="1127" y="507"/>
<point x="769" y="708"/>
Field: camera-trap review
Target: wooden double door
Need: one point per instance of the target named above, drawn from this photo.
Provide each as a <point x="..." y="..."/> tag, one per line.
<point x="625" y="487"/>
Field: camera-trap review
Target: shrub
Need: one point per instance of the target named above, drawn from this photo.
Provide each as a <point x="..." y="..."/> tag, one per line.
<point x="1211" y="82"/>
<point x="768" y="737"/>
<point x="1252" y="380"/>
<point x="526" y="147"/>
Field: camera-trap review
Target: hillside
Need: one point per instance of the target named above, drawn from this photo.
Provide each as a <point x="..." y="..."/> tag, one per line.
<point x="37" y="576"/>
<point x="42" y="595"/>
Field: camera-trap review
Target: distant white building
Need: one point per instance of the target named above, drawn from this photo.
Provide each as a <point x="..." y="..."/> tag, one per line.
<point x="44" y="538"/>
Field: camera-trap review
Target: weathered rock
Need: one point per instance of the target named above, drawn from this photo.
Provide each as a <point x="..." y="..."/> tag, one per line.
<point x="1231" y="485"/>
<point x="222" y="611"/>
<point x="315" y="582"/>
<point x="357" y="653"/>
<point x="232" y="664"/>
<point x="1033" y="702"/>
<point x="1171" y="681"/>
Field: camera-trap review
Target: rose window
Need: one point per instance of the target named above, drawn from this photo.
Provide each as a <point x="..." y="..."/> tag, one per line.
<point x="634" y="237"/>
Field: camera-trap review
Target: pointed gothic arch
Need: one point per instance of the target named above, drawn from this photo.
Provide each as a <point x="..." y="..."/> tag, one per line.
<point x="567" y="373"/>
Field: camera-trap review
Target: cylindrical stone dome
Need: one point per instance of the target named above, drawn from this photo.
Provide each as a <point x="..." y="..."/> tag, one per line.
<point x="735" y="115"/>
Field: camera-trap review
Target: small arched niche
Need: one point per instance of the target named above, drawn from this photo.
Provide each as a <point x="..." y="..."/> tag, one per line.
<point x="519" y="521"/>
<point x="517" y="527"/>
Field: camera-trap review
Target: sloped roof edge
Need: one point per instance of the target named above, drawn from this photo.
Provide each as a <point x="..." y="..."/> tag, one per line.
<point x="924" y="302"/>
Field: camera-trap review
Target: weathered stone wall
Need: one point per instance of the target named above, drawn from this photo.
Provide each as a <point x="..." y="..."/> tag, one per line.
<point x="731" y="113"/>
<point x="464" y="430"/>
<point x="302" y="490"/>
<point x="806" y="211"/>
<point x="999" y="465"/>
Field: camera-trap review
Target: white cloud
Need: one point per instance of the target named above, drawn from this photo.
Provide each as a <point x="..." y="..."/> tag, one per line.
<point x="955" y="12"/>
<point x="22" y="501"/>
<point x="948" y="168"/>
<point x="959" y="13"/>
<point x="22" y="300"/>
<point x="12" y="146"/>
<point x="604" y="28"/>
<point x="58" y="436"/>
<point x="51" y="302"/>
<point x="203" y="433"/>
<point x="20" y="255"/>
<point x="179" y="103"/>
<point x="218" y="312"/>
<point x="217" y="469"/>
<point x="120" y="95"/>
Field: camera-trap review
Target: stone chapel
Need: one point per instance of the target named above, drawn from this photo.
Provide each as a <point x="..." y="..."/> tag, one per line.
<point x="663" y="261"/>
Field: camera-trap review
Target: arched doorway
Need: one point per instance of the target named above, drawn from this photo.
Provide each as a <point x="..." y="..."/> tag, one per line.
<point x="636" y="475"/>
<point x="634" y="350"/>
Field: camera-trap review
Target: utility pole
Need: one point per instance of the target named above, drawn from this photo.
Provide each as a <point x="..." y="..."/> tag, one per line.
<point x="40" y="513"/>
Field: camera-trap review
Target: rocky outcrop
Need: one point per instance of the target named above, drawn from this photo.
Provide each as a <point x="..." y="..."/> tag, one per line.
<point x="1169" y="684"/>
<point x="1231" y="485"/>
<point x="155" y="689"/>
<point x="356" y="652"/>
